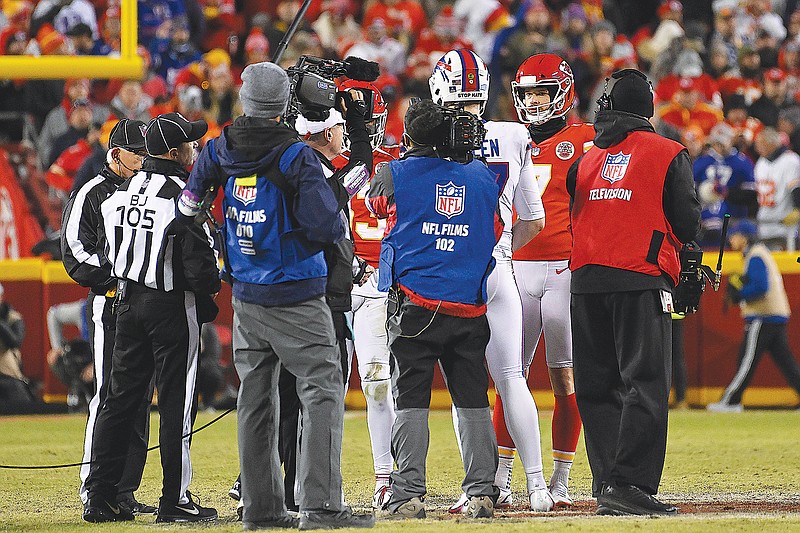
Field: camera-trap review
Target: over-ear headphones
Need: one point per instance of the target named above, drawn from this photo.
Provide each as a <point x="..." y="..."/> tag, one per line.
<point x="604" y="103"/>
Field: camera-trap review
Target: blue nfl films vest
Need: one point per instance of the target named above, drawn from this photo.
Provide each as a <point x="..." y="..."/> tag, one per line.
<point x="264" y="244"/>
<point x="441" y="246"/>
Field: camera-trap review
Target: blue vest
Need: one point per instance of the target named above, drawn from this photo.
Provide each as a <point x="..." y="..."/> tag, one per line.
<point x="264" y="244"/>
<point x="441" y="246"/>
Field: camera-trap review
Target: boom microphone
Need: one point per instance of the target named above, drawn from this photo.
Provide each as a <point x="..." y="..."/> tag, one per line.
<point x="361" y="69"/>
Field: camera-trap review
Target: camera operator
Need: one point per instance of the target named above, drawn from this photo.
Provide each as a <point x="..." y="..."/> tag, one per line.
<point x="634" y="203"/>
<point x="280" y="213"/>
<point x="437" y="259"/>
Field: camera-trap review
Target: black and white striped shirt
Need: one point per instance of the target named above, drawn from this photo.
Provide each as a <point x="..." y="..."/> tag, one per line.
<point x="144" y="242"/>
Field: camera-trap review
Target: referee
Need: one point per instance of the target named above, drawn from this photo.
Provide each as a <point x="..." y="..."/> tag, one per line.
<point x="83" y="259"/>
<point x="166" y="273"/>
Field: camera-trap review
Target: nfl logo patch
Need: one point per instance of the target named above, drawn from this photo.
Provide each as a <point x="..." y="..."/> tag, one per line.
<point x="450" y="199"/>
<point x="615" y="167"/>
<point x="536" y="151"/>
<point x="245" y="194"/>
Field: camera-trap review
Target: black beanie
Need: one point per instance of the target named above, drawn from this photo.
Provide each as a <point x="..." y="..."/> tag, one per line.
<point x="424" y="123"/>
<point x="632" y="93"/>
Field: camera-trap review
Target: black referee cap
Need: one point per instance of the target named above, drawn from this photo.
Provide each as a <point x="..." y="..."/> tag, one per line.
<point x="170" y="130"/>
<point x="128" y="135"/>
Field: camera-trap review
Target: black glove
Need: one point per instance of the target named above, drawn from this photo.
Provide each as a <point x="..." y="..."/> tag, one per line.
<point x="356" y="110"/>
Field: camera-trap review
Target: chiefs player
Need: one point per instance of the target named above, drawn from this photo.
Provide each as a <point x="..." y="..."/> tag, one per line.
<point x="369" y="304"/>
<point x="544" y="92"/>
<point x="460" y="79"/>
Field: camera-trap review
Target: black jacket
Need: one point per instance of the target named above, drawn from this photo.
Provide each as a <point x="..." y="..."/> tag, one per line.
<point x="81" y="246"/>
<point x="681" y="208"/>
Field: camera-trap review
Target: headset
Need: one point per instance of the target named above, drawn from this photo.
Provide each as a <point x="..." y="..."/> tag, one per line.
<point x="604" y="102"/>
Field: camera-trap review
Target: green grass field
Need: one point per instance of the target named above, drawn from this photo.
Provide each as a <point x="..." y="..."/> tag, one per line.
<point x="739" y="459"/>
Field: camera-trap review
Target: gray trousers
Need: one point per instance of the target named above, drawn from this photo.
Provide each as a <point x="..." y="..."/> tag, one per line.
<point x="302" y="339"/>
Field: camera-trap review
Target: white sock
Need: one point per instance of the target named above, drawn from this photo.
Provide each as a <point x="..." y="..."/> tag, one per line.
<point x="505" y="465"/>
<point x="380" y="417"/>
<point x="522" y="419"/>
<point x="560" y="473"/>
<point x="381" y="481"/>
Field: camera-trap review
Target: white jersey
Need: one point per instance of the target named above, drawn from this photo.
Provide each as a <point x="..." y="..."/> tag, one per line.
<point x="507" y="150"/>
<point x="774" y="182"/>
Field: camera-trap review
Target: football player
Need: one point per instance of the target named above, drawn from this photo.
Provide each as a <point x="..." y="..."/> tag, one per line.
<point x="544" y="92"/>
<point x="460" y="79"/>
<point x="369" y="304"/>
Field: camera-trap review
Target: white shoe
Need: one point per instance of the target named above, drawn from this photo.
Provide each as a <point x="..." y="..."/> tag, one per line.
<point x="460" y="506"/>
<point x="722" y="407"/>
<point x="541" y="500"/>
<point x="505" y="500"/>
<point x="381" y="496"/>
<point x="561" y="499"/>
<point x="480" y="507"/>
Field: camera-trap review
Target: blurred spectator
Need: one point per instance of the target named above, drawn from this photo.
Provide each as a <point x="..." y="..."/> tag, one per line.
<point x="724" y="30"/>
<point x="48" y="42"/>
<point x="131" y="102"/>
<point x="688" y="65"/>
<point x="61" y="173"/>
<point x="694" y="140"/>
<point x="94" y="162"/>
<point x="574" y="24"/>
<point x="432" y="44"/>
<point x="789" y="125"/>
<point x="773" y="99"/>
<point x="110" y="32"/>
<point x="155" y="15"/>
<point x="336" y="27"/>
<point x="285" y="13"/>
<point x="153" y="85"/>
<point x="767" y="47"/>
<point x="173" y="50"/>
<point x="71" y="361"/>
<point x="13" y="383"/>
<point x="725" y="184"/>
<point x="746" y="127"/>
<point x="651" y="40"/>
<point x="756" y="16"/>
<point x="56" y="122"/>
<point x="404" y="19"/>
<point x="529" y="38"/>
<point x="482" y="20"/>
<point x="746" y="80"/>
<point x="687" y="108"/>
<point x="76" y="12"/>
<point x="789" y="62"/>
<point x="197" y="73"/>
<point x="220" y="97"/>
<point x="80" y="35"/>
<point x="777" y="174"/>
<point x="222" y="23"/>
<point x="377" y="46"/>
<point x="719" y="62"/>
<point x="256" y="47"/>
<point x="19" y="22"/>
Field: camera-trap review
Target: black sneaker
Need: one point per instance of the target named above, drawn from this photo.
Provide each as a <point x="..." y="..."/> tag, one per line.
<point x="287" y="522"/>
<point x="630" y="499"/>
<point x="98" y="509"/>
<point x="137" y="508"/>
<point x="236" y="489"/>
<point x="185" y="512"/>
<point x="333" y="520"/>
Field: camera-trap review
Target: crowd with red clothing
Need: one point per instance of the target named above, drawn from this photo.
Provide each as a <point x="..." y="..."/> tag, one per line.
<point x="710" y="61"/>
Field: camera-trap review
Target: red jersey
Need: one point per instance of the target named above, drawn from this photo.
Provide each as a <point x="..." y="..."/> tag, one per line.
<point x="367" y="229"/>
<point x="704" y="115"/>
<point x="551" y="161"/>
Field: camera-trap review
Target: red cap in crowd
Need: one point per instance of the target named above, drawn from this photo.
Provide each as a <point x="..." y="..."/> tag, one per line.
<point x="256" y="42"/>
<point x="669" y="6"/>
<point x="774" y="74"/>
<point x="49" y="39"/>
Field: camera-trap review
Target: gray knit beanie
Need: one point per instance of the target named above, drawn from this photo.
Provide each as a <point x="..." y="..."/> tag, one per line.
<point x="265" y="90"/>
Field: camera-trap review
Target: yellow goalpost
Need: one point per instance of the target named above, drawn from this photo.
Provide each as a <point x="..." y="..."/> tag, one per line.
<point x="127" y="66"/>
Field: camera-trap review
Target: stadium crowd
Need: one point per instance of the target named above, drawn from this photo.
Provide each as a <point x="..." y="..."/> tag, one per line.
<point x="735" y="62"/>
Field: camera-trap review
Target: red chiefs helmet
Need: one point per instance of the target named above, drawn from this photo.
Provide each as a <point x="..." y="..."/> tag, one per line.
<point x="379" y="112"/>
<point x="554" y="74"/>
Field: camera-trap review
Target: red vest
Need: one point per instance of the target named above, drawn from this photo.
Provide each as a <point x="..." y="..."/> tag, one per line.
<point x="618" y="216"/>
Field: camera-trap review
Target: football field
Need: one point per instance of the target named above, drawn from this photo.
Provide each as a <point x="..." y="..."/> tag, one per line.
<point x="726" y="472"/>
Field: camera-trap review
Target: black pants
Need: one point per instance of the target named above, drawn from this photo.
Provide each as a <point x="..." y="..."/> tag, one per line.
<point x="157" y="333"/>
<point x="288" y="438"/>
<point x="678" y="361"/>
<point x="760" y="337"/>
<point x="621" y="344"/>
<point x="99" y="313"/>
<point x="418" y="340"/>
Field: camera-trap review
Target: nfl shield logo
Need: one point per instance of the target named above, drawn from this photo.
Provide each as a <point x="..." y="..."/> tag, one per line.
<point x="245" y="194"/>
<point x="450" y="199"/>
<point x="615" y="167"/>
